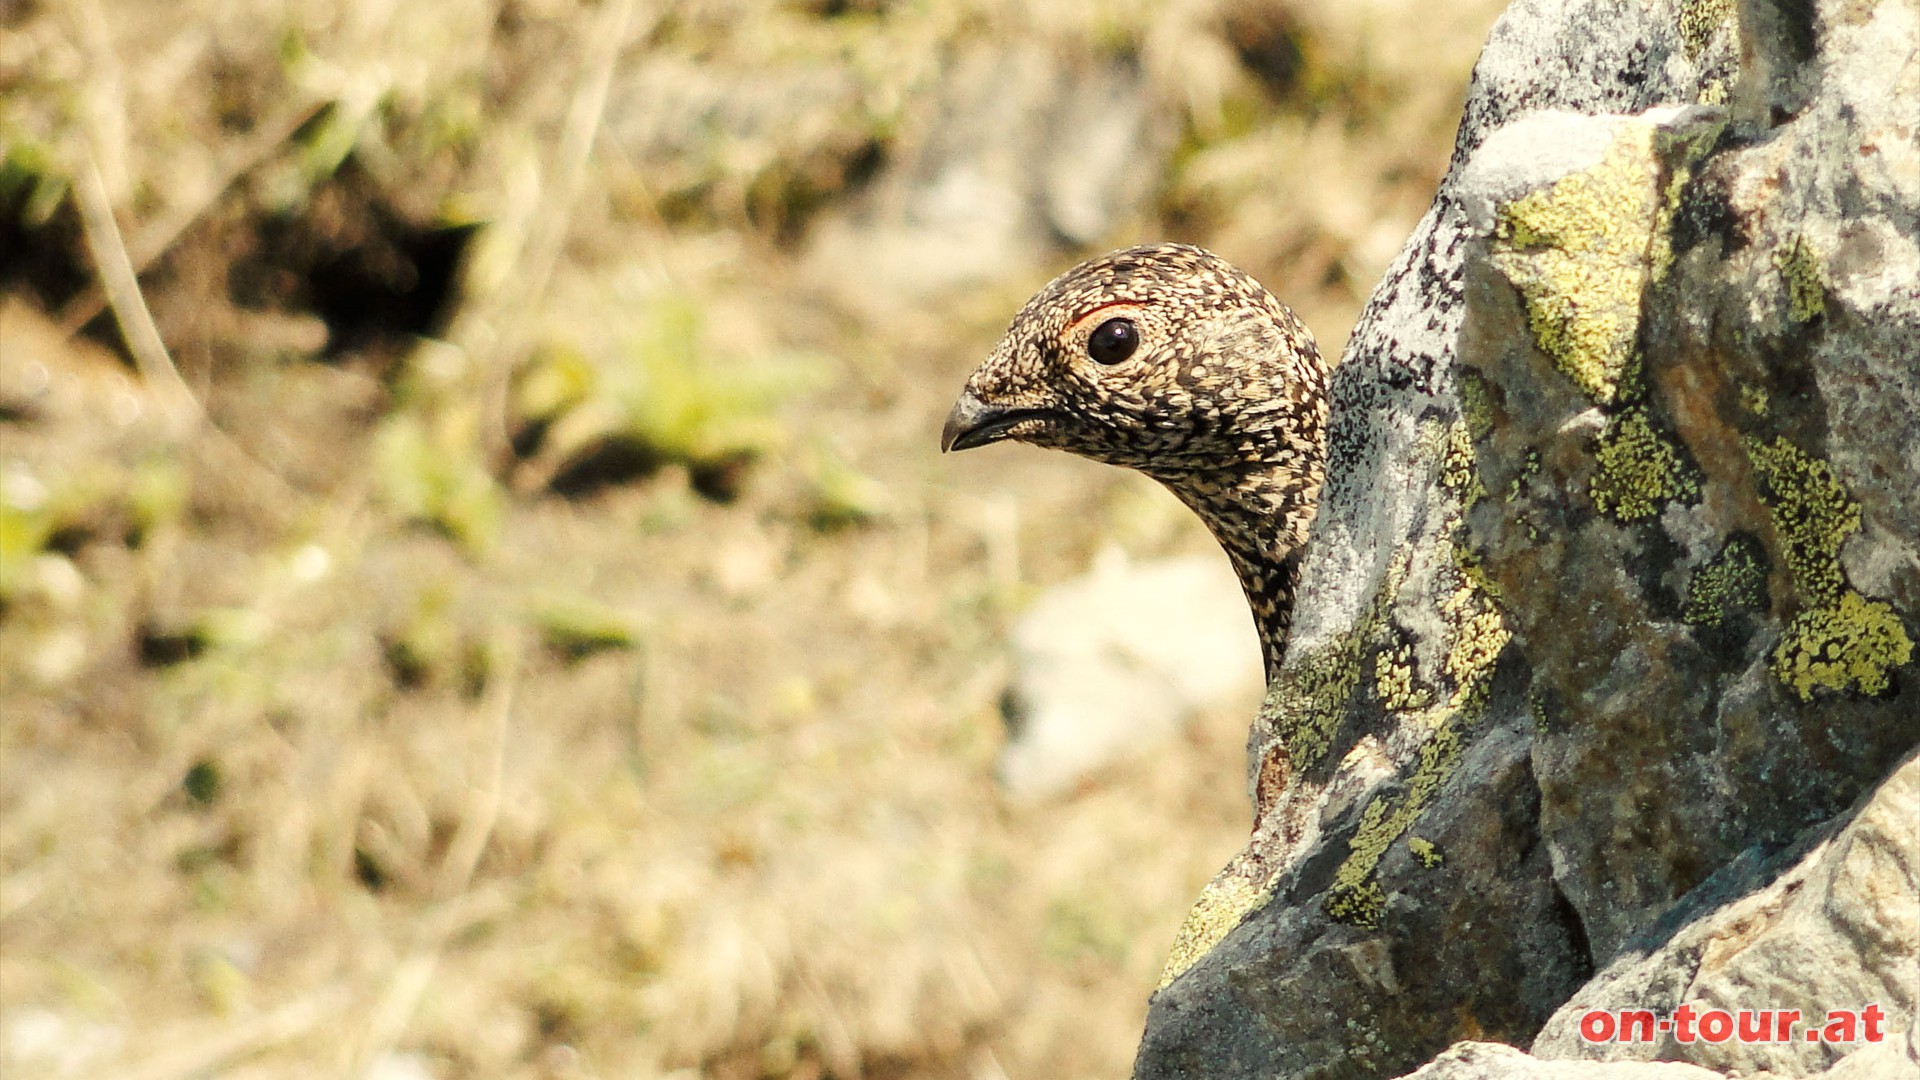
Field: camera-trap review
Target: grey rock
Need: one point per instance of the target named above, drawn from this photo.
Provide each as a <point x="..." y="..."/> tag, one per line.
<point x="1613" y="588"/>
<point x="1895" y="1059"/>
<point x="1840" y="928"/>
<point x="1495" y="1061"/>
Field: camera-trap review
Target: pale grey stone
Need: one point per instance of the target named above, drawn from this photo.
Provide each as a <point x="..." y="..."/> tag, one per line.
<point x="1112" y="663"/>
<point x="1495" y="1061"/>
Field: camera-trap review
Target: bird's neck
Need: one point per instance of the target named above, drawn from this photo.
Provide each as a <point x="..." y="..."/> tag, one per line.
<point x="1259" y="514"/>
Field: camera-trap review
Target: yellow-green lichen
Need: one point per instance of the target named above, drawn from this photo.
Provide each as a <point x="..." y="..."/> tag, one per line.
<point x="1581" y="252"/>
<point x="1355" y="896"/>
<point x="1476" y="632"/>
<point x="1851" y="644"/>
<point x="1303" y="708"/>
<point x="1699" y="19"/>
<point x="1475" y="635"/>
<point x="1459" y="472"/>
<point x="1475" y="573"/>
<point x="1812" y="513"/>
<point x="1476" y="403"/>
<point x="1424" y="850"/>
<point x="1306" y="703"/>
<point x="1733" y="580"/>
<point x="1397" y="684"/>
<point x="1799" y="266"/>
<point x="1712" y="92"/>
<point x="1843" y="640"/>
<point x="1755" y="399"/>
<point x="1357" y="903"/>
<point x="1637" y="469"/>
<point x="1224" y="904"/>
<point x="1660" y="246"/>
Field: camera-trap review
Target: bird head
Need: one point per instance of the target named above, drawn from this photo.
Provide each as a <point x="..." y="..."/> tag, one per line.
<point x="1163" y="358"/>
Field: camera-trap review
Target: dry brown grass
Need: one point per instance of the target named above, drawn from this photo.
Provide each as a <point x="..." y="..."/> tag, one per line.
<point x="333" y="742"/>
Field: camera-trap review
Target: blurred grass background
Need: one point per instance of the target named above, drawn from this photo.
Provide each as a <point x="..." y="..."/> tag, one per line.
<point x="478" y="594"/>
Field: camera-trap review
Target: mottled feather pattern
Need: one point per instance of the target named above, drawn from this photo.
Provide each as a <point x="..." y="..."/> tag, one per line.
<point x="1224" y="400"/>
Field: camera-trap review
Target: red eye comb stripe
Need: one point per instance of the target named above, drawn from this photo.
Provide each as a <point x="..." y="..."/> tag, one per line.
<point x="1109" y="305"/>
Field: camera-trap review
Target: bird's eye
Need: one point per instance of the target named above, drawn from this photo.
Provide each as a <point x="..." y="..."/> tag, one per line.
<point x="1113" y="341"/>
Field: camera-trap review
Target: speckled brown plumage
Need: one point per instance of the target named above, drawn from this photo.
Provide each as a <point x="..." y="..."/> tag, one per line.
<point x="1223" y="400"/>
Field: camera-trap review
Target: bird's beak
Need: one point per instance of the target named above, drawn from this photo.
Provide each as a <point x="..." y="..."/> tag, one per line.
<point x="975" y="423"/>
<point x="969" y="417"/>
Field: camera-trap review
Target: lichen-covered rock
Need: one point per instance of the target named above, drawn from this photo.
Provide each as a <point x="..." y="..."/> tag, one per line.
<point x="1730" y="678"/>
<point x="1617" y="573"/>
